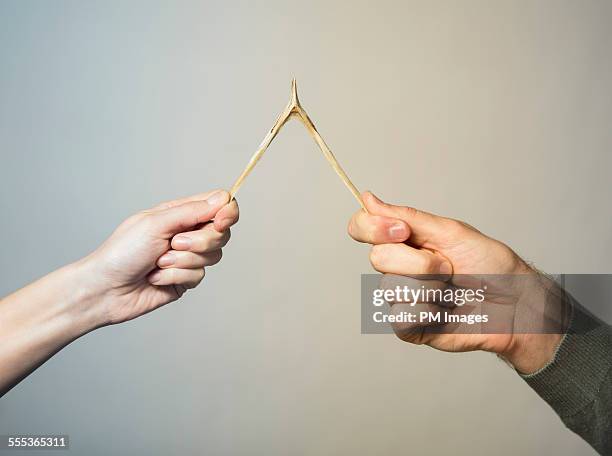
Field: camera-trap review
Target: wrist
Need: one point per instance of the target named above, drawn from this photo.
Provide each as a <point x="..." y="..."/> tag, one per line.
<point x="83" y="295"/>
<point x="528" y="353"/>
<point x="543" y="313"/>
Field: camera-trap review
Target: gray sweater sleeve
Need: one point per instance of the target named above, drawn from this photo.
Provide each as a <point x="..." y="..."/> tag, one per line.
<point x="577" y="383"/>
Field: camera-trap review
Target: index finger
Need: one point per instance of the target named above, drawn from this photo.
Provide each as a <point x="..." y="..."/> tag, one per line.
<point x="187" y="199"/>
<point x="227" y="216"/>
<point x="187" y="215"/>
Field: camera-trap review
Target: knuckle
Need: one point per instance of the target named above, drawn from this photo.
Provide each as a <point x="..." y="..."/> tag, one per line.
<point x="212" y="258"/>
<point x="191" y="259"/>
<point x="413" y="335"/>
<point x="200" y="241"/>
<point x="375" y="228"/>
<point x="401" y="336"/>
<point x="428" y="265"/>
<point x="236" y="216"/>
<point x="404" y="331"/>
<point x="235" y="211"/>
<point x="199" y="275"/>
<point x="378" y="256"/>
<point x="457" y="226"/>
<point x="137" y="217"/>
<point x="170" y="275"/>
<point x="374" y="257"/>
<point x="146" y="220"/>
<point x="164" y="205"/>
<point x="409" y="212"/>
<point x="194" y="278"/>
<point x="351" y="227"/>
<point x="225" y="237"/>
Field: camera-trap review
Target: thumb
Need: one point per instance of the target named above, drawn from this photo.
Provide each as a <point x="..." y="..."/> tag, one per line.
<point x="189" y="214"/>
<point x="425" y="227"/>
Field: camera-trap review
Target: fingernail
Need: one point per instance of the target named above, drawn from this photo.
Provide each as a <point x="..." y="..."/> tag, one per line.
<point x="398" y="231"/>
<point x="155" y="277"/>
<point x="166" y="259"/>
<point x="216" y="198"/>
<point x="181" y="242"/>
<point x="446" y="269"/>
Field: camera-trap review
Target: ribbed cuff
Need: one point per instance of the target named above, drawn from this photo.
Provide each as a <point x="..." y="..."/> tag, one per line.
<point x="573" y="378"/>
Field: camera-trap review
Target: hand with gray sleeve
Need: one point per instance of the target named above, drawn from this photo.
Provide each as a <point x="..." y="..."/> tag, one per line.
<point x="570" y="369"/>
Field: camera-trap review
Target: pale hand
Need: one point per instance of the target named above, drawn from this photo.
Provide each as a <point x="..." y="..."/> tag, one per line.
<point x="156" y="255"/>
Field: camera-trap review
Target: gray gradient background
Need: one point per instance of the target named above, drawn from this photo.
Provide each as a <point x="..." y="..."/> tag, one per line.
<point x="494" y="112"/>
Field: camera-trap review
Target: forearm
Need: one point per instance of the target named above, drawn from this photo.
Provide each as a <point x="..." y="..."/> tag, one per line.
<point x="577" y="382"/>
<point x="42" y="318"/>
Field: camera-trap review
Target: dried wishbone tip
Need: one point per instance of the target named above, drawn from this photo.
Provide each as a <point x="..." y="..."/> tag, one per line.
<point x="294" y="96"/>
